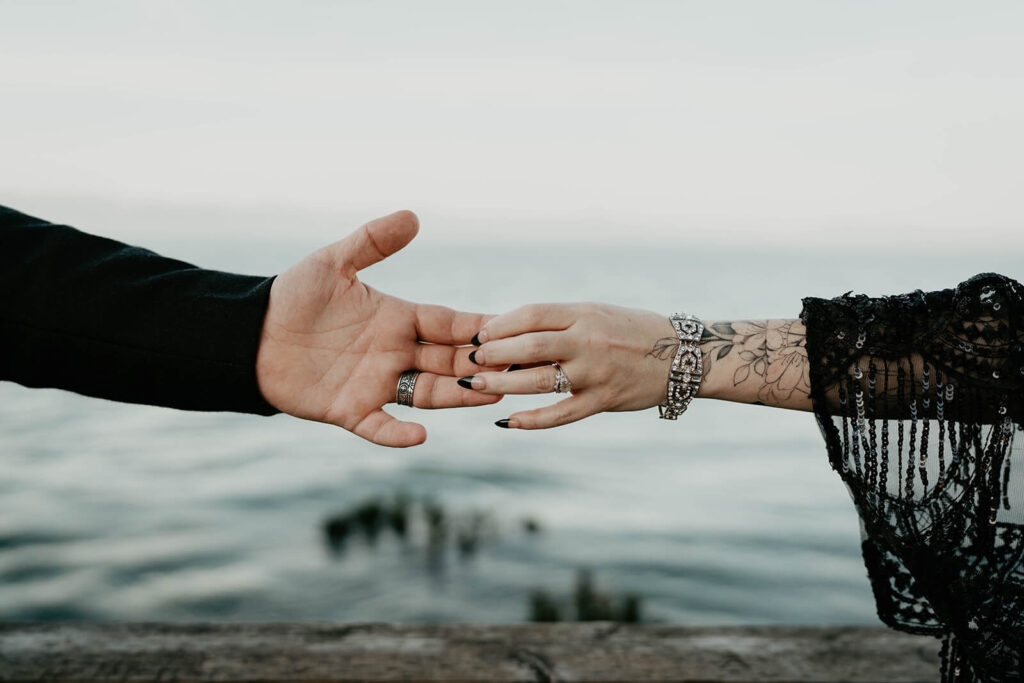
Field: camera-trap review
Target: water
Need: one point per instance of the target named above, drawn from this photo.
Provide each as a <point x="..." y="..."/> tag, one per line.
<point x="729" y="516"/>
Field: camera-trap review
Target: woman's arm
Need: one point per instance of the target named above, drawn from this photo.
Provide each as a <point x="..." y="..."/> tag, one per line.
<point x="752" y="361"/>
<point x="949" y="354"/>
<point x="618" y="359"/>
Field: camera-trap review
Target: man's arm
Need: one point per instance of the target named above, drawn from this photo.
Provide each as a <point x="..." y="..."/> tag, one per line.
<point x="105" y="319"/>
<point x="101" y="318"/>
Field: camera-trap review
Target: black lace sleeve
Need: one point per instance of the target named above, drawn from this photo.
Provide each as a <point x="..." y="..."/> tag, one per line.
<point x="919" y="397"/>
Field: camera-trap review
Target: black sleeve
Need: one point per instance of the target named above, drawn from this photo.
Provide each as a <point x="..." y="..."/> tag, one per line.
<point x="105" y="319"/>
<point x="896" y="352"/>
<point x="920" y="398"/>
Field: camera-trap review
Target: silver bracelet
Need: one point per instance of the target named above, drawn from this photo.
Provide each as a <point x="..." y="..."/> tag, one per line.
<point x="687" y="367"/>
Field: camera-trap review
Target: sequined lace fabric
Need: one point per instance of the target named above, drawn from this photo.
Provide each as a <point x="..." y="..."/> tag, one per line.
<point x="919" y="398"/>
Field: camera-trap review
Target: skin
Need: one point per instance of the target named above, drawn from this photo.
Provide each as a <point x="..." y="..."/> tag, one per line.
<point x="618" y="359"/>
<point x="332" y="348"/>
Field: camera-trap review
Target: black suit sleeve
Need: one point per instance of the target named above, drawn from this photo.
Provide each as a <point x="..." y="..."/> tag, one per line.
<point x="105" y="319"/>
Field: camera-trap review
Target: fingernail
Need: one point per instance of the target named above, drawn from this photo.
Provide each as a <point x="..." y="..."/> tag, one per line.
<point x="466" y="382"/>
<point x="481" y="337"/>
<point x="514" y="367"/>
<point x="475" y="341"/>
<point x="472" y="358"/>
<point x="502" y="423"/>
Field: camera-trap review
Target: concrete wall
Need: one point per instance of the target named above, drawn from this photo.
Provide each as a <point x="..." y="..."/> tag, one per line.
<point x="596" y="651"/>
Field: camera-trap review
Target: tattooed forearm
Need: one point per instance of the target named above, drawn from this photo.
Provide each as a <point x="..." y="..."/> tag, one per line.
<point x="751" y="361"/>
<point x="664" y="348"/>
<point x="762" y="361"/>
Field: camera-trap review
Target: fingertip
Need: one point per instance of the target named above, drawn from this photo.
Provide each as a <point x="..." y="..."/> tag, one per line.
<point x="407" y="219"/>
<point x="394" y="231"/>
<point x="415" y="435"/>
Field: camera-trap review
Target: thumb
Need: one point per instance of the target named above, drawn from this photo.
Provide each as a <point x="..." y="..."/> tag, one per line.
<point x="375" y="241"/>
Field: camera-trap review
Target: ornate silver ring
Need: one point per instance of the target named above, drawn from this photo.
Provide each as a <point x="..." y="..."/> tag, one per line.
<point x="562" y="383"/>
<point x="406" y="385"/>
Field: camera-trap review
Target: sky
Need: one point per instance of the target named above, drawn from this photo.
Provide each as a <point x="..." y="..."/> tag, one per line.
<point x="756" y="123"/>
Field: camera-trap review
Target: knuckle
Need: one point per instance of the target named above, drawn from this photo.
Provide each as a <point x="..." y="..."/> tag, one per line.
<point x="541" y="382"/>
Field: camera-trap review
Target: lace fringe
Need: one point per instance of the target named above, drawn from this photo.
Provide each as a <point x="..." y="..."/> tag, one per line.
<point x="949" y="462"/>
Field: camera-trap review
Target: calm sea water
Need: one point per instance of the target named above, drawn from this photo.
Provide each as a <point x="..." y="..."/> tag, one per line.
<point x="730" y="515"/>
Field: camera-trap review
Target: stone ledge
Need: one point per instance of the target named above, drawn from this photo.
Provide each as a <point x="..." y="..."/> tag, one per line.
<point x="597" y="651"/>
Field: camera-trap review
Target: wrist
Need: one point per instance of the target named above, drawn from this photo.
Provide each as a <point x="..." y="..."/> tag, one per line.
<point x="714" y="385"/>
<point x="686" y="372"/>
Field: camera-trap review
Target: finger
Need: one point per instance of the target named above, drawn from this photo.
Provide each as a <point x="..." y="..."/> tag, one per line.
<point x="438" y="391"/>
<point x="538" y="380"/>
<point x="443" y="359"/>
<point x="524" y="366"/>
<point x="374" y="241"/>
<point x="562" y="413"/>
<point x="386" y="430"/>
<point x="526" y="348"/>
<point x="531" y="318"/>
<point x="443" y="325"/>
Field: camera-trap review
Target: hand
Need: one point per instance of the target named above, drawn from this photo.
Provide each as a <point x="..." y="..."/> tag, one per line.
<point x="332" y="348"/>
<point x="610" y="354"/>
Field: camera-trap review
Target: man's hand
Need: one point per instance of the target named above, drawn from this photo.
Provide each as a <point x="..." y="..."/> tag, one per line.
<point x="332" y="348"/>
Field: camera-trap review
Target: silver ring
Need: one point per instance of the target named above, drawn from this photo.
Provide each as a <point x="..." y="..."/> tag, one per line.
<point x="562" y="383"/>
<point x="406" y="385"/>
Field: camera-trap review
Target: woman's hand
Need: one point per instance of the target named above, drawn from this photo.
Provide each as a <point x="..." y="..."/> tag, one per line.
<point x="610" y="354"/>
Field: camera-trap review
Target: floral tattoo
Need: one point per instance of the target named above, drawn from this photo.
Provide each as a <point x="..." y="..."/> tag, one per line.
<point x="773" y="351"/>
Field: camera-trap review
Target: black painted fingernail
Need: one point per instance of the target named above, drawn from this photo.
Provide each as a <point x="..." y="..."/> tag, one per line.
<point x="502" y="423"/>
<point x="475" y="341"/>
<point x="514" y="367"/>
<point x="466" y="382"/>
<point x="472" y="357"/>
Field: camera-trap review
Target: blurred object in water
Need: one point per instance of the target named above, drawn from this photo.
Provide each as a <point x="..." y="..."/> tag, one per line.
<point x="337" y="530"/>
<point x="543" y="608"/>
<point x="631" y="608"/>
<point x="398" y="514"/>
<point x="426" y="523"/>
<point x="370" y="516"/>
<point x="437" y="527"/>
<point x="590" y="603"/>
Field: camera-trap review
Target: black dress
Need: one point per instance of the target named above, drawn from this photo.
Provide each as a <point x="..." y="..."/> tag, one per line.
<point x="101" y="318"/>
<point x="919" y="397"/>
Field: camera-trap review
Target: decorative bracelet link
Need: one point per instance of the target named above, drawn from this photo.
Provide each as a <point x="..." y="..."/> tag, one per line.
<point x="687" y="366"/>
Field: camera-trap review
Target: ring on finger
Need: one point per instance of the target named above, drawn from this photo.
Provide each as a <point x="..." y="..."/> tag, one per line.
<point x="406" y="385"/>
<point x="562" y="383"/>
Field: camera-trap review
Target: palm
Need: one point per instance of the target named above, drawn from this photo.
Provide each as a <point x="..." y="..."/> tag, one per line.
<point x="332" y="348"/>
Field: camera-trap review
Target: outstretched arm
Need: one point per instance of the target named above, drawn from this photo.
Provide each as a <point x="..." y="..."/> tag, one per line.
<point x="618" y="359"/>
<point x="916" y="355"/>
<point x="101" y="318"/>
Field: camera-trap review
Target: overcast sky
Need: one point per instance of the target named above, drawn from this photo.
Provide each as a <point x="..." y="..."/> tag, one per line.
<point x="760" y="121"/>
